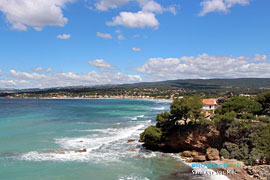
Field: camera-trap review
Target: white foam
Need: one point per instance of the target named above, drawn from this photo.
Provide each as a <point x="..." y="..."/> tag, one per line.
<point x="132" y="177"/>
<point x="99" y="148"/>
<point x="159" y="108"/>
<point x="136" y="117"/>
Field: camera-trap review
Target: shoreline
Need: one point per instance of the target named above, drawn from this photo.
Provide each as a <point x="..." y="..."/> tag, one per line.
<point x="79" y="98"/>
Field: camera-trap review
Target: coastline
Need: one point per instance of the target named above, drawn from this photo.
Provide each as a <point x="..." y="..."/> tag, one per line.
<point x="59" y="98"/>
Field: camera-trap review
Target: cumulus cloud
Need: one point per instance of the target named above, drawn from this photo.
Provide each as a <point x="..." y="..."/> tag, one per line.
<point x="146" y="17"/>
<point x="63" y="36"/>
<point x="204" y="66"/>
<point x="136" y="49"/>
<point x="22" y="14"/>
<point x="260" y="57"/>
<point x="36" y="80"/>
<point x="104" y="35"/>
<point x="154" y="7"/>
<point x="100" y="63"/>
<point x="104" y="5"/>
<point x="220" y="5"/>
<point x="40" y="69"/>
<point x="135" y="20"/>
<point x="120" y="37"/>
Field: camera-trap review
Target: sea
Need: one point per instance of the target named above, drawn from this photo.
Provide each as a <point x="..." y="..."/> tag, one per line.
<point x="39" y="139"/>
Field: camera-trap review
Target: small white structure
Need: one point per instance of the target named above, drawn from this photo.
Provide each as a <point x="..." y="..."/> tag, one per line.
<point x="209" y="104"/>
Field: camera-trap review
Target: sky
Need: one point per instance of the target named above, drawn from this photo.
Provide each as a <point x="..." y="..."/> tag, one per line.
<point x="58" y="43"/>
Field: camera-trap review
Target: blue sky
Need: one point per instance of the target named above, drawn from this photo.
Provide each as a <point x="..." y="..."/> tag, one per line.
<point x="80" y="42"/>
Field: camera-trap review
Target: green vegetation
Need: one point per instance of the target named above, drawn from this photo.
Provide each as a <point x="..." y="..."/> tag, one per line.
<point x="187" y="109"/>
<point x="151" y="135"/>
<point x="264" y="100"/>
<point x="243" y="124"/>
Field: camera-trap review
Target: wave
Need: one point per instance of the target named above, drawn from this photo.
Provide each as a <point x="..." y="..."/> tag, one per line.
<point x="136" y="117"/>
<point x="131" y="177"/>
<point x="159" y="108"/>
<point x="103" y="148"/>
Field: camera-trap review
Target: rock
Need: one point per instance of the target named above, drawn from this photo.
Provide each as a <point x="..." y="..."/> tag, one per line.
<point x="260" y="172"/>
<point x="186" y="154"/>
<point x="194" y="153"/>
<point x="212" y="154"/>
<point x="199" y="158"/>
<point x="80" y="151"/>
<point x="132" y="150"/>
<point x="131" y="140"/>
<point x="197" y="137"/>
<point x="61" y="153"/>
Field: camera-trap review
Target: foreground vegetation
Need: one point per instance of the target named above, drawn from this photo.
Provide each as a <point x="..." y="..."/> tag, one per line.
<point x="243" y="124"/>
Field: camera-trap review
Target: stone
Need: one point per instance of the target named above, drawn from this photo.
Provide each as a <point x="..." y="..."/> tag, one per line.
<point x="80" y="151"/>
<point x="131" y="140"/>
<point x="199" y="158"/>
<point x="132" y="150"/>
<point x="212" y="154"/>
<point x="186" y="154"/>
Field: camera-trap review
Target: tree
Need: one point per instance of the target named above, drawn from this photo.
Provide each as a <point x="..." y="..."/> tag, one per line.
<point x="240" y="105"/>
<point x="263" y="142"/>
<point x="188" y="108"/>
<point x="151" y="135"/>
<point x="264" y="100"/>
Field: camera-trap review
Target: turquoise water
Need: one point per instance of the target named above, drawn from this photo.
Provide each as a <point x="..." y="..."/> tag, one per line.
<point x="38" y="140"/>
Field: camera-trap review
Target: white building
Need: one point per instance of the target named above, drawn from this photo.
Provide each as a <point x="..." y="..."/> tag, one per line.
<point x="209" y="104"/>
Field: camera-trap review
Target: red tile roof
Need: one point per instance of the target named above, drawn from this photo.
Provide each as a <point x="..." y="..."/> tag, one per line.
<point x="209" y="102"/>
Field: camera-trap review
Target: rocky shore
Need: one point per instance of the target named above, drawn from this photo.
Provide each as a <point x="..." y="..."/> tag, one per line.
<point x="198" y="147"/>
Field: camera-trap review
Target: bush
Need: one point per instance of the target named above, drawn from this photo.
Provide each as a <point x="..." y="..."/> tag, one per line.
<point x="225" y="153"/>
<point x="151" y="135"/>
<point x="263" y="142"/>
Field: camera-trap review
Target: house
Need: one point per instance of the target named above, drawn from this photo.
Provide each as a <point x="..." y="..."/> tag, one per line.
<point x="209" y="104"/>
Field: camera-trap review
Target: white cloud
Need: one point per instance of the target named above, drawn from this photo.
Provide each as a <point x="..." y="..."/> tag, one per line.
<point x="1" y="72"/>
<point x="150" y="6"/>
<point x="135" y="20"/>
<point x="118" y="31"/>
<point x="154" y="7"/>
<point x="204" y="66"/>
<point x="49" y="70"/>
<point x="100" y="63"/>
<point x="104" y="35"/>
<point x="220" y="5"/>
<point x="35" y="80"/>
<point x="136" y="49"/>
<point x="120" y="37"/>
<point x="63" y="36"/>
<point x="22" y="14"/>
<point x="38" y="69"/>
<point x="260" y="57"/>
<point x="104" y="5"/>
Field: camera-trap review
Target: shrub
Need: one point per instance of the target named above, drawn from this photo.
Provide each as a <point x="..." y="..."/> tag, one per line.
<point x="151" y="135"/>
<point x="225" y="153"/>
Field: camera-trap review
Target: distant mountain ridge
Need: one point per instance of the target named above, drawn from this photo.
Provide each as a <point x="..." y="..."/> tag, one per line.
<point x="189" y="84"/>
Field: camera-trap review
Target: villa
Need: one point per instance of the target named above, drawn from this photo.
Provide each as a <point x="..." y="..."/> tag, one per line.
<point x="209" y="104"/>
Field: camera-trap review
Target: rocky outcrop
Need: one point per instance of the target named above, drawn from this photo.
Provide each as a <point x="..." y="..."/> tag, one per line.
<point x="197" y="138"/>
<point x="261" y="172"/>
<point x="193" y="156"/>
<point x="80" y="151"/>
<point x="131" y="140"/>
<point x="212" y="154"/>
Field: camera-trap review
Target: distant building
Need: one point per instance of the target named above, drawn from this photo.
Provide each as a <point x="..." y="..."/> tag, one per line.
<point x="209" y="104"/>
